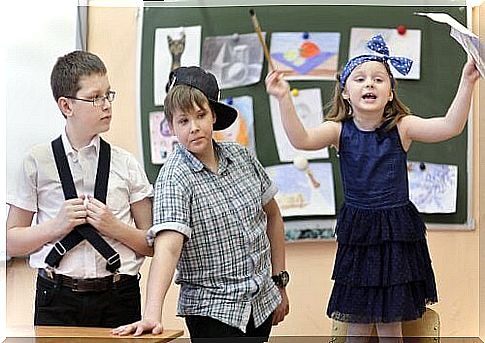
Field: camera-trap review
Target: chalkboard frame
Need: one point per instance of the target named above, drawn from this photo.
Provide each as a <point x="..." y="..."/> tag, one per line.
<point x="441" y="63"/>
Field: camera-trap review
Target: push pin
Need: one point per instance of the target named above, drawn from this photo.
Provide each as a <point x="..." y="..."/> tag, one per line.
<point x="229" y="100"/>
<point x="235" y="37"/>
<point x="295" y="92"/>
<point x="422" y="166"/>
<point x="306" y="35"/>
<point x="401" y="29"/>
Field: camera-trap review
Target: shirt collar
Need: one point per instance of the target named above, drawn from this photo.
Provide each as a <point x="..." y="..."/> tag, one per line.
<point x="94" y="143"/>
<point x="197" y="165"/>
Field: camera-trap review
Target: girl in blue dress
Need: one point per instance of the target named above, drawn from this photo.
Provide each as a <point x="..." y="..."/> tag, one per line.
<point x="382" y="270"/>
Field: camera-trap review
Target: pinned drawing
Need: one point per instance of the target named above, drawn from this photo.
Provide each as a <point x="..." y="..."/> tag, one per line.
<point x="308" y="104"/>
<point x="301" y="193"/>
<point x="235" y="60"/>
<point x="400" y="45"/>
<point x="306" y="55"/>
<point x="161" y="139"/>
<point x="242" y="130"/>
<point x="174" y="47"/>
<point x="433" y="187"/>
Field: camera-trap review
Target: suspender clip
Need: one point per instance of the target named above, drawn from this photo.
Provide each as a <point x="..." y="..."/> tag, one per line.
<point x="116" y="276"/>
<point x="50" y="272"/>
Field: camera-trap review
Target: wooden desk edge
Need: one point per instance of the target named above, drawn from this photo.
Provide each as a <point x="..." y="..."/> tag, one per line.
<point x="74" y="332"/>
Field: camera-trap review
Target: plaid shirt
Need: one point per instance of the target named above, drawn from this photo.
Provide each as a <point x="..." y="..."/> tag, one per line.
<point x="225" y="266"/>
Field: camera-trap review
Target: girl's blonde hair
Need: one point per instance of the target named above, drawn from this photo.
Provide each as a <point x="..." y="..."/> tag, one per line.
<point x="341" y="110"/>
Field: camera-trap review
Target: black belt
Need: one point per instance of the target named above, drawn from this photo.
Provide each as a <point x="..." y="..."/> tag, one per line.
<point x="88" y="285"/>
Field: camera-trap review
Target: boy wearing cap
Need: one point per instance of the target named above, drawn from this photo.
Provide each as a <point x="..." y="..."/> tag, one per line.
<point x="93" y="206"/>
<point x="214" y="214"/>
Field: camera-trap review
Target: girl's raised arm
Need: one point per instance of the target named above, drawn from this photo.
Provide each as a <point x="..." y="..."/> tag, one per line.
<point x="430" y="130"/>
<point x="315" y="138"/>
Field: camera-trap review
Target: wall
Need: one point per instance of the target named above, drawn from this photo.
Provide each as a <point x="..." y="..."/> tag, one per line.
<point x="113" y="34"/>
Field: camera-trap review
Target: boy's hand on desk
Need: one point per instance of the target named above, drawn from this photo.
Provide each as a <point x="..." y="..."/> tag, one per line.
<point x="99" y="216"/>
<point x="139" y="327"/>
<point x="71" y="214"/>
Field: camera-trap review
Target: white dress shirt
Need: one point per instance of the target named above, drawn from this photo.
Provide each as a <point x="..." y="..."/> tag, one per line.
<point x="39" y="190"/>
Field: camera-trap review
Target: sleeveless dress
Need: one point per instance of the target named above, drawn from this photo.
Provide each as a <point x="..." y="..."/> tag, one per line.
<point x="382" y="269"/>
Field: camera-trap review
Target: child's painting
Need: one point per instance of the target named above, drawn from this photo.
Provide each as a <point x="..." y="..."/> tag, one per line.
<point x="242" y="130"/>
<point x="235" y="60"/>
<point x="304" y="191"/>
<point x="161" y="139"/>
<point x="174" y="47"/>
<point x="306" y="55"/>
<point x="433" y="187"/>
<point x="400" y="45"/>
<point x="308" y="104"/>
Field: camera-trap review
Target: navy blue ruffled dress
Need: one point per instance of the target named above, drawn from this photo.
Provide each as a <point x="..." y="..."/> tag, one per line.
<point x="382" y="270"/>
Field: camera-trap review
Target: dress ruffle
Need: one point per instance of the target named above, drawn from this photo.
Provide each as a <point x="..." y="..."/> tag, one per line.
<point x="382" y="269"/>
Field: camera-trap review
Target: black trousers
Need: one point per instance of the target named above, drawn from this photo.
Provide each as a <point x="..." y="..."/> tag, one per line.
<point x="206" y="329"/>
<point x="60" y="306"/>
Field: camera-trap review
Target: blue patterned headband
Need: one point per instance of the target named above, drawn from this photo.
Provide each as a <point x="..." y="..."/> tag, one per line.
<point x="377" y="44"/>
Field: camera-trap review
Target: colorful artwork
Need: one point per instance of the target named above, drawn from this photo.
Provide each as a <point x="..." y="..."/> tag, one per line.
<point x="235" y="60"/>
<point x="400" y="45"/>
<point x="161" y="138"/>
<point x="308" y="104"/>
<point x="433" y="187"/>
<point x="242" y="130"/>
<point x="304" y="191"/>
<point x="306" y="55"/>
<point x="174" y="47"/>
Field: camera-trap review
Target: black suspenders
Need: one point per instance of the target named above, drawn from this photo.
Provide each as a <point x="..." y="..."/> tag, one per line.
<point x="84" y="231"/>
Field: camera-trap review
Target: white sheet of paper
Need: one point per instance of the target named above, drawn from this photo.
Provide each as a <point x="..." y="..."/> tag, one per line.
<point x="467" y="39"/>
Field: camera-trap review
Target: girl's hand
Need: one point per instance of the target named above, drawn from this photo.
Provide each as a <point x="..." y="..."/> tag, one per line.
<point x="276" y="85"/>
<point x="470" y="72"/>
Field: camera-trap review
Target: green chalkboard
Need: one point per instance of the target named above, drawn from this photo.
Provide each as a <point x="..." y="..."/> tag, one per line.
<point x="441" y="63"/>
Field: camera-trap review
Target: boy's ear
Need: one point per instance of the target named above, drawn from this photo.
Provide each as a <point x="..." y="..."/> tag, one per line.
<point x="65" y="106"/>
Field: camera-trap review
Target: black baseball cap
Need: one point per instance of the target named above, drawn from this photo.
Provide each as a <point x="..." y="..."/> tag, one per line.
<point x="205" y="82"/>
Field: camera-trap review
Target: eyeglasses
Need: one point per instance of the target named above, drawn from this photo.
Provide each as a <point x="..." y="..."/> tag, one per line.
<point x="98" y="101"/>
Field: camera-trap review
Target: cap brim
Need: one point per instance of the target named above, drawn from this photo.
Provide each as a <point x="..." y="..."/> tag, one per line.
<point x="225" y="115"/>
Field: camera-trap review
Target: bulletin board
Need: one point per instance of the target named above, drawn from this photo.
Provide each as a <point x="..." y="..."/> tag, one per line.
<point x="441" y="63"/>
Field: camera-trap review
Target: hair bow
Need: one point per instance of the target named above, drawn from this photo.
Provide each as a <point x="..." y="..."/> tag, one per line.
<point x="402" y="64"/>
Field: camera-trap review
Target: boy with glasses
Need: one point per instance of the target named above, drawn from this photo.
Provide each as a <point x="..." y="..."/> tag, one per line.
<point x="93" y="206"/>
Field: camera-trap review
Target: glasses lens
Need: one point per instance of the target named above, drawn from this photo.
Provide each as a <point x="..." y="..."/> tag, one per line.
<point x="100" y="101"/>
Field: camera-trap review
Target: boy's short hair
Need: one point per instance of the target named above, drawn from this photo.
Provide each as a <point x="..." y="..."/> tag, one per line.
<point x="69" y="69"/>
<point x="183" y="98"/>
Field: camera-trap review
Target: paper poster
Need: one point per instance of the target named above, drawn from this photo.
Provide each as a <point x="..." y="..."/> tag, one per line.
<point x="308" y="104"/>
<point x="407" y="45"/>
<point x="467" y="39"/>
<point x="161" y="139"/>
<point x="304" y="191"/>
<point x="174" y="47"/>
<point x="242" y="130"/>
<point x="306" y="55"/>
<point x="433" y="187"/>
<point x="235" y="60"/>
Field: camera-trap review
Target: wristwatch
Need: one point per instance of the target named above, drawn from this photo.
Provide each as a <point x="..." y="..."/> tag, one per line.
<point x="282" y="279"/>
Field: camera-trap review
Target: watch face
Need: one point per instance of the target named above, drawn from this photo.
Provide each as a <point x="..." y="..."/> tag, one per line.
<point x="285" y="278"/>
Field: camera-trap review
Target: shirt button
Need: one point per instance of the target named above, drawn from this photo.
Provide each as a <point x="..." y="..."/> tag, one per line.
<point x="75" y="160"/>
